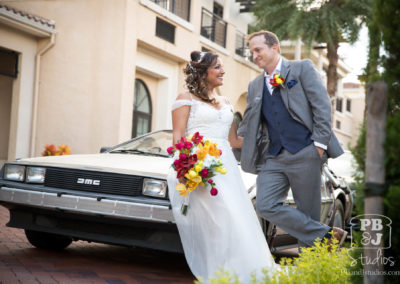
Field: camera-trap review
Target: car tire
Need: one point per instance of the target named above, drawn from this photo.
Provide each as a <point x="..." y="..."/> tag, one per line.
<point x="47" y="241"/>
<point x="338" y="215"/>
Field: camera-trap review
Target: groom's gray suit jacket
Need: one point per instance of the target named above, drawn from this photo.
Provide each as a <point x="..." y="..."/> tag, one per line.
<point x="307" y="102"/>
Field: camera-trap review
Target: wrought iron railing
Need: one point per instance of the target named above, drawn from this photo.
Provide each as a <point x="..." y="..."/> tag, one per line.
<point x="242" y="47"/>
<point x="181" y="8"/>
<point x="213" y="27"/>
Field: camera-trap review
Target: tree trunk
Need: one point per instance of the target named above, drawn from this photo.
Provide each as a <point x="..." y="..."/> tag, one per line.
<point x="332" y="76"/>
<point x="375" y="180"/>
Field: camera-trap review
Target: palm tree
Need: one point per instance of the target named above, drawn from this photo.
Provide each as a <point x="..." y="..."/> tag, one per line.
<point x="314" y="22"/>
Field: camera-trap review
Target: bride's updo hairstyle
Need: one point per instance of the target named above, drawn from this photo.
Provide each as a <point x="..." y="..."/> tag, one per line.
<point x="196" y="74"/>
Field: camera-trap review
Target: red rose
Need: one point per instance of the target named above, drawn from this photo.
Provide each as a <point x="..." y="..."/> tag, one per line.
<point x="182" y="156"/>
<point x="170" y="150"/>
<point x="196" y="138"/>
<point x="179" y="145"/>
<point x="177" y="163"/>
<point x="188" y="145"/>
<point x="210" y="181"/>
<point x="204" y="173"/>
<point x="213" y="191"/>
<point x="220" y="152"/>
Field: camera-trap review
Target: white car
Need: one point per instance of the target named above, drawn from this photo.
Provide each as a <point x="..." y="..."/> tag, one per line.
<point x="120" y="197"/>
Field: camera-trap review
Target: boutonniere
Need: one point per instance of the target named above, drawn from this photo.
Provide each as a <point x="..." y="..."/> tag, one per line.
<point x="276" y="81"/>
<point x="291" y="83"/>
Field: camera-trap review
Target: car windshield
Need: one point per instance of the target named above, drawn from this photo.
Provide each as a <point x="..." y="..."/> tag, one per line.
<point x="154" y="144"/>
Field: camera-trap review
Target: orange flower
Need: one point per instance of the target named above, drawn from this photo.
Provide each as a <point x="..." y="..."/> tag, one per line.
<point x="49" y="150"/>
<point x="214" y="151"/>
<point x="201" y="152"/>
<point x="63" y="150"/>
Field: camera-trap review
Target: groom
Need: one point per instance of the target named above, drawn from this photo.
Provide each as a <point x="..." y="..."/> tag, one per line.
<point x="287" y="137"/>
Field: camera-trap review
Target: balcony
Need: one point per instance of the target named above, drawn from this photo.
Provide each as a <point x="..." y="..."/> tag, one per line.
<point x="181" y="8"/>
<point x="241" y="47"/>
<point x="213" y="27"/>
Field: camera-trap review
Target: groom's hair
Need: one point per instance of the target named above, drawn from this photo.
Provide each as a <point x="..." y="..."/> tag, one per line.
<point x="270" y="38"/>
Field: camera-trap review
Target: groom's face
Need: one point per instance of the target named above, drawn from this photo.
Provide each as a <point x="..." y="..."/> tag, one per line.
<point x="263" y="54"/>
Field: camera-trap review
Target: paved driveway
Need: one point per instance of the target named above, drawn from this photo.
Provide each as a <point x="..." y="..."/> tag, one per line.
<point x="84" y="262"/>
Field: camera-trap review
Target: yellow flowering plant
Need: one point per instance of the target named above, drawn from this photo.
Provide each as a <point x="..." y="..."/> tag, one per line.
<point x="196" y="161"/>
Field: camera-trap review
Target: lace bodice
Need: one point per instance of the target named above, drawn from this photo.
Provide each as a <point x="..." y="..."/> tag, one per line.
<point x="207" y="120"/>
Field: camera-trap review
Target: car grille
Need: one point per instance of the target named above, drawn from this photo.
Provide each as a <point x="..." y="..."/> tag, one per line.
<point x="110" y="183"/>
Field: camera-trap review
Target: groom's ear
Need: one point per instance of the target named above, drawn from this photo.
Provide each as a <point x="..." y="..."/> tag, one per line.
<point x="276" y="47"/>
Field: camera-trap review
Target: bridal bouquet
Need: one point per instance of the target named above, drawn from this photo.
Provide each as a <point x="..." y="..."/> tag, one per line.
<point x="196" y="161"/>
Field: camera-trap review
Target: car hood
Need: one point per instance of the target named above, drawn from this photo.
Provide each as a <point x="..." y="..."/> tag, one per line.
<point x="151" y="166"/>
<point x="121" y="163"/>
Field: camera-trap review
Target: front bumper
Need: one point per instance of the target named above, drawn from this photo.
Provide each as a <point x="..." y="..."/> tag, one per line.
<point x="87" y="205"/>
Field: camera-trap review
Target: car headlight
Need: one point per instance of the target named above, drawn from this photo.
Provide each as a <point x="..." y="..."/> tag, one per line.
<point x="35" y="174"/>
<point x="154" y="187"/>
<point x="14" y="172"/>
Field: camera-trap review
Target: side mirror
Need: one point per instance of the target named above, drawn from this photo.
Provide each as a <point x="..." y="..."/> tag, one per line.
<point x="104" y="149"/>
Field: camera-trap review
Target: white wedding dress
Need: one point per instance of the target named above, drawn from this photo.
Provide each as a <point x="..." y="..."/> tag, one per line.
<point x="219" y="231"/>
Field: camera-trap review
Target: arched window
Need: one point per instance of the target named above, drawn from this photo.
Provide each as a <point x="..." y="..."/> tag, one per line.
<point x="141" y="110"/>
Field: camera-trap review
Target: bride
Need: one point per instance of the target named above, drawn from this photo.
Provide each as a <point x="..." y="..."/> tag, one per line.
<point x="219" y="231"/>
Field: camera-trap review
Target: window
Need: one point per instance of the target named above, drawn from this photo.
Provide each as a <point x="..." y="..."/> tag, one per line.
<point x="213" y="27"/>
<point x="165" y="30"/>
<point x="8" y="63"/>
<point x="218" y="10"/>
<point x="181" y="8"/>
<point x="141" y="123"/>
<point x="348" y="105"/>
<point x="337" y="124"/>
<point x="339" y="103"/>
<point x="240" y="44"/>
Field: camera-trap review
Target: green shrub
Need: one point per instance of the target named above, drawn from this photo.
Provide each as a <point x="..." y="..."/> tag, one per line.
<point x="317" y="264"/>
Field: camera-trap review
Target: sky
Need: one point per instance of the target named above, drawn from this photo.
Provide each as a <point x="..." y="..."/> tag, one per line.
<point x="355" y="56"/>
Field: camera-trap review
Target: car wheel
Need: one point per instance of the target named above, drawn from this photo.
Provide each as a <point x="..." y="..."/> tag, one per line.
<point x="47" y="240"/>
<point x="338" y="215"/>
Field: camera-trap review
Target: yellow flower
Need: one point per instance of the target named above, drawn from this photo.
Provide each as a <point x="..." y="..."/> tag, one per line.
<point x="196" y="179"/>
<point x="182" y="189"/>
<point x="197" y="167"/>
<point x="192" y="185"/>
<point x="193" y="174"/>
<point x="221" y="170"/>
<point x="278" y="81"/>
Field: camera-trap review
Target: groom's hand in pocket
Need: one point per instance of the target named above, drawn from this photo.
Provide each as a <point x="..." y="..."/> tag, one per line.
<point x="320" y="151"/>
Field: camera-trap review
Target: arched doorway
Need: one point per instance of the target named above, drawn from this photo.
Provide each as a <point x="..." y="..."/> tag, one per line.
<point x="141" y="123"/>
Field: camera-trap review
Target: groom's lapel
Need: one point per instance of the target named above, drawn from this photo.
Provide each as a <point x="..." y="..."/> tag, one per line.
<point x="285" y="70"/>
<point x="259" y="88"/>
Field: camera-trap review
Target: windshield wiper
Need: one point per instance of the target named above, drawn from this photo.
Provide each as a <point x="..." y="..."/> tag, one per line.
<point x="136" y="151"/>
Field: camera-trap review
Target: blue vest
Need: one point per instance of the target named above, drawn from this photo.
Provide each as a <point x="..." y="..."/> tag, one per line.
<point x="283" y="130"/>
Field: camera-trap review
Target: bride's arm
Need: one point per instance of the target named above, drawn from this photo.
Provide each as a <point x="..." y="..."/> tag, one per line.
<point x="179" y="119"/>
<point x="235" y="140"/>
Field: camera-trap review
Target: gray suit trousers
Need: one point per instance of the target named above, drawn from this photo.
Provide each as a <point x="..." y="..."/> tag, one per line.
<point x="302" y="172"/>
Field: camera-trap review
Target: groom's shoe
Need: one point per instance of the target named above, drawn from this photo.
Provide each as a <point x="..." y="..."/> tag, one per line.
<point x="339" y="235"/>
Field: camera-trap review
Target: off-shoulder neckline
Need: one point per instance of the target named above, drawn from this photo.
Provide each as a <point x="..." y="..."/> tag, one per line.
<point x="197" y="101"/>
